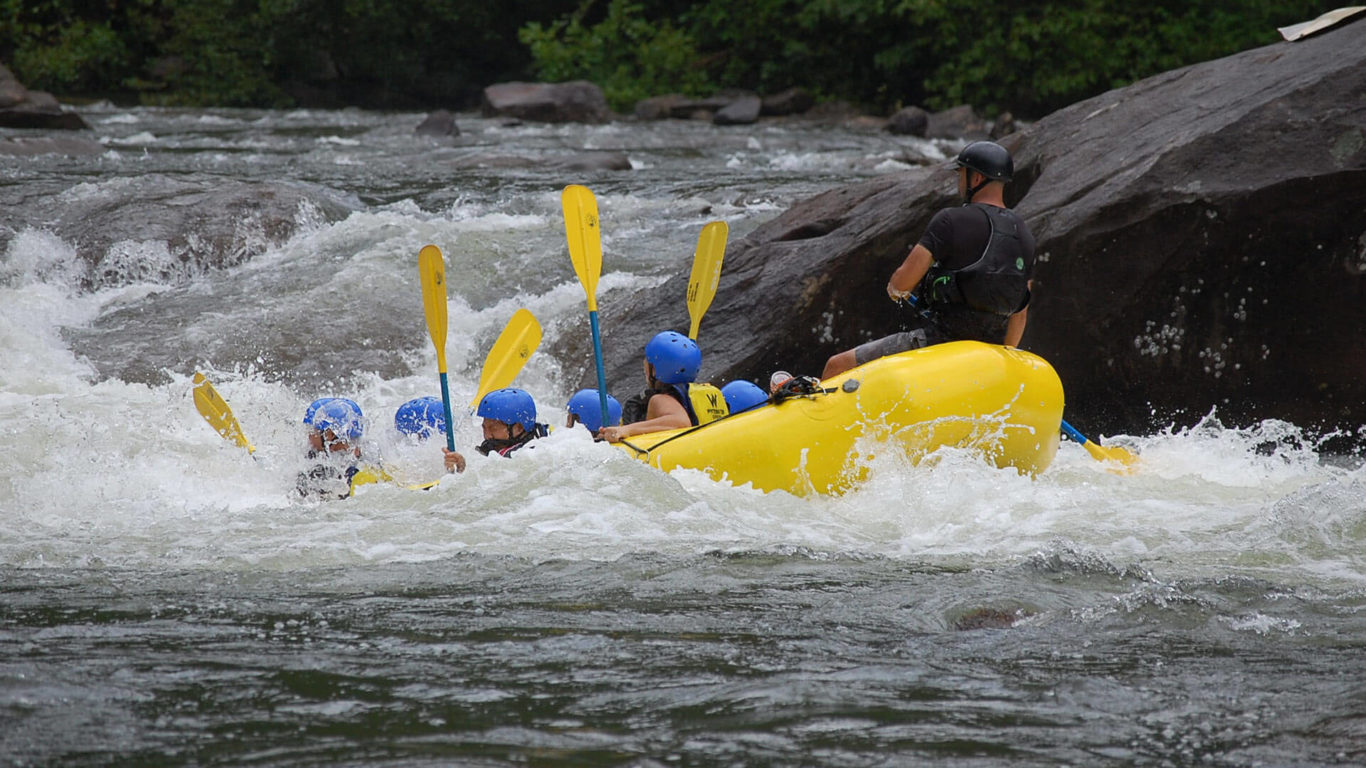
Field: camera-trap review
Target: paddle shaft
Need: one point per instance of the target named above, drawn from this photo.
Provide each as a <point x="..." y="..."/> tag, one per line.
<point x="446" y="408"/>
<point x="1071" y="432"/>
<point x="597" y="360"/>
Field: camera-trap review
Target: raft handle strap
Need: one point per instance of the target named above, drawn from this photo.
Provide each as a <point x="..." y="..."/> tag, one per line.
<point x="799" y="386"/>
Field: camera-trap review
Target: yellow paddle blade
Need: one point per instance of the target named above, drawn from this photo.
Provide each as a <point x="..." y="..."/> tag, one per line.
<point x="706" y="272"/>
<point x="215" y="410"/>
<point x="1127" y="460"/>
<point x="585" y="239"/>
<point x="519" y="339"/>
<point x="432" y="269"/>
<point x="1122" y="461"/>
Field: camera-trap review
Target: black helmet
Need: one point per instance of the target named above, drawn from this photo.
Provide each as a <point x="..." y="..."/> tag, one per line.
<point x="987" y="158"/>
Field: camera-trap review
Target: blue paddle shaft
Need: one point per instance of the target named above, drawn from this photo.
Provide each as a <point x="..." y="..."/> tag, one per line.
<point x="1071" y="431"/>
<point x="597" y="360"/>
<point x="446" y="406"/>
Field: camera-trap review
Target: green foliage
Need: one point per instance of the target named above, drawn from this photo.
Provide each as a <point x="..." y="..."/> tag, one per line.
<point x="216" y="52"/>
<point x="1027" y="56"/>
<point x="625" y="54"/>
<point x="1034" y="56"/>
<point x="57" y="50"/>
<point x="376" y="53"/>
<point x="72" y="58"/>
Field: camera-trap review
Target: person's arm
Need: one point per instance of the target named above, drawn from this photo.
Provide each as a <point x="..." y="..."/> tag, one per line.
<point x="1015" y="326"/>
<point x="663" y="412"/>
<point x="910" y="273"/>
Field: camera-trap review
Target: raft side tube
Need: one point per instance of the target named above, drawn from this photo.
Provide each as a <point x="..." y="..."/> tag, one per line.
<point x="1003" y="402"/>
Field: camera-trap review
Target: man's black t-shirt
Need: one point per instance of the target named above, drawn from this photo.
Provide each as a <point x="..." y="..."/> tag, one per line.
<point x="956" y="237"/>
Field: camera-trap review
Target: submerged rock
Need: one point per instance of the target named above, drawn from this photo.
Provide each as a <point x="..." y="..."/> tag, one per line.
<point x="1201" y="240"/>
<point x="31" y="146"/>
<point x="168" y="230"/>
<point x="440" y="124"/>
<point x="580" y="161"/>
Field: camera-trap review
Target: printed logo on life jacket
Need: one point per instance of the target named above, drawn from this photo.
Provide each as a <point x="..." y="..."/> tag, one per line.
<point x="708" y="404"/>
<point x="1019" y="263"/>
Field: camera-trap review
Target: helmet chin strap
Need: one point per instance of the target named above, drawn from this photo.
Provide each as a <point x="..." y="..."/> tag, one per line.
<point x="972" y="191"/>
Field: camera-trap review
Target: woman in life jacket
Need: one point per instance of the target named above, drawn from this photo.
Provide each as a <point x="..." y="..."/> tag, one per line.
<point x="509" y="424"/>
<point x="673" y="399"/>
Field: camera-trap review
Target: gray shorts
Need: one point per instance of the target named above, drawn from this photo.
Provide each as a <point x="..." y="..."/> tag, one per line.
<point x="890" y="345"/>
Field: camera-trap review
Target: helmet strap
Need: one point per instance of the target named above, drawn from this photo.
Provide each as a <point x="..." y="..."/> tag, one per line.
<point x="971" y="190"/>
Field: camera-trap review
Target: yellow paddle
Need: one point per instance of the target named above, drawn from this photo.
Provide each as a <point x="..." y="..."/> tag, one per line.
<point x="1112" y="453"/>
<point x="215" y="410"/>
<point x="706" y="272"/>
<point x="514" y="346"/>
<point x="431" y="268"/>
<point x="581" y="229"/>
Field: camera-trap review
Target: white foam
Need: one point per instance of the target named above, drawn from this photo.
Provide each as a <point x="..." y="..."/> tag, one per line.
<point x="108" y="473"/>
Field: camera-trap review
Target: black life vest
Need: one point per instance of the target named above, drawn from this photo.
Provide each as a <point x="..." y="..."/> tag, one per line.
<point x="328" y="479"/>
<point x="995" y="284"/>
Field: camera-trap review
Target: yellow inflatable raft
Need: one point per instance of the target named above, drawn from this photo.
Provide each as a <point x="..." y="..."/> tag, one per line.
<point x="1003" y="402"/>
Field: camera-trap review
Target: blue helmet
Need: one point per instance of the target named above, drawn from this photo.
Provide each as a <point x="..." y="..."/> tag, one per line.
<point x="675" y="357"/>
<point x="313" y="408"/>
<point x="586" y="405"/>
<point x="743" y="395"/>
<point x="341" y="416"/>
<point x="510" y="406"/>
<point x="421" y="416"/>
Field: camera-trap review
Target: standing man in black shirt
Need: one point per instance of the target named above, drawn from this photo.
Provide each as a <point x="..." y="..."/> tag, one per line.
<point x="971" y="270"/>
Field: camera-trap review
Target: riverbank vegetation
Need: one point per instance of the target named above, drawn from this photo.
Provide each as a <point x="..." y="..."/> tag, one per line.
<point x="1026" y="56"/>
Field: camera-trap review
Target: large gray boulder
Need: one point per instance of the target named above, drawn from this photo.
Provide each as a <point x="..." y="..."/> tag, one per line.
<point x="742" y="111"/>
<point x="729" y="107"/>
<point x="909" y="121"/>
<point x="792" y="101"/>
<point x="1202" y="244"/>
<point x="22" y="108"/>
<point x="578" y="101"/>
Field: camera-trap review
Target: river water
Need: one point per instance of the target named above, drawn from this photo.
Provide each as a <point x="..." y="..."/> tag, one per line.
<point x="166" y="600"/>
